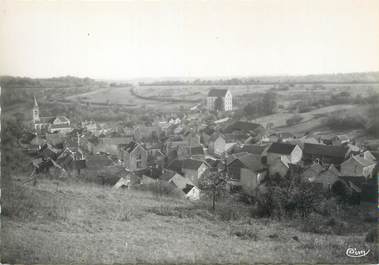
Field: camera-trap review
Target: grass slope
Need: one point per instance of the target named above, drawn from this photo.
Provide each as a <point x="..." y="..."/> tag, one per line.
<point x="66" y="222"/>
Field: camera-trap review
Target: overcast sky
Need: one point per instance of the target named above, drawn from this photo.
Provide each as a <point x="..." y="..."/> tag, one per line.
<point x="131" y="39"/>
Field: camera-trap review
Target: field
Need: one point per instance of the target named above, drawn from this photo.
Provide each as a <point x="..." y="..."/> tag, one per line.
<point x="311" y="121"/>
<point x="69" y="221"/>
<point x="122" y="95"/>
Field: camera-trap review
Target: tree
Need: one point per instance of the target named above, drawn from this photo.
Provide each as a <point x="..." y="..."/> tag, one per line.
<point x="269" y="102"/>
<point x="214" y="185"/>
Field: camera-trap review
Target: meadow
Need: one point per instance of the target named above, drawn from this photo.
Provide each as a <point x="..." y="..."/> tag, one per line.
<point x="75" y="222"/>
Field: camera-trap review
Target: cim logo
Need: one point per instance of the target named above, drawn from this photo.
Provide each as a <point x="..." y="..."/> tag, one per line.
<point x="355" y="253"/>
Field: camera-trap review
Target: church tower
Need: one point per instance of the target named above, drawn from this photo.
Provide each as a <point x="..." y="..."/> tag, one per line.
<point x="35" y="111"/>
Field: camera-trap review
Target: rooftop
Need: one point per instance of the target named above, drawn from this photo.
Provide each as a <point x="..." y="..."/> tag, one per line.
<point x="281" y="148"/>
<point x="327" y="150"/>
<point x="216" y="92"/>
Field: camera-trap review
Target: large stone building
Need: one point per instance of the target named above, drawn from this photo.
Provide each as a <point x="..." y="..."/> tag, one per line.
<point x="219" y="100"/>
<point x="52" y="124"/>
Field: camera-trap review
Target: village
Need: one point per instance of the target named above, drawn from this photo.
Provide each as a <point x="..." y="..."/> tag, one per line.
<point x="185" y="150"/>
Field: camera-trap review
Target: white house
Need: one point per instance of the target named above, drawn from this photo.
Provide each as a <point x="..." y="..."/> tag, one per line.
<point x="184" y="184"/>
<point x="293" y="153"/>
<point x="216" y="144"/>
<point x="225" y="97"/>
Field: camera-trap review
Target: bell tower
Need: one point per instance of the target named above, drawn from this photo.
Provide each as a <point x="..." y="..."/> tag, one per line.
<point x="35" y="111"/>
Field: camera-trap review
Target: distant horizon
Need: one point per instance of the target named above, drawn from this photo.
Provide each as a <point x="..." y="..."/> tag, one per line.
<point x="182" y="78"/>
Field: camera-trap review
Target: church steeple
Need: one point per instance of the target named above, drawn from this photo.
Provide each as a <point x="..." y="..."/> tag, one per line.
<point x="35" y="111"/>
<point x="35" y="102"/>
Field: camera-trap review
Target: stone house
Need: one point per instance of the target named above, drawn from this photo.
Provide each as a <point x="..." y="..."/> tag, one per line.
<point x="133" y="156"/>
<point x="357" y="166"/>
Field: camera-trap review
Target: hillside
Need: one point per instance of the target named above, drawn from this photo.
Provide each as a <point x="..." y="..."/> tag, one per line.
<point x="64" y="222"/>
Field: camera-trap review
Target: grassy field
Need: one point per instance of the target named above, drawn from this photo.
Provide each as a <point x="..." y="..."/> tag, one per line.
<point x="66" y="222"/>
<point x="122" y="95"/>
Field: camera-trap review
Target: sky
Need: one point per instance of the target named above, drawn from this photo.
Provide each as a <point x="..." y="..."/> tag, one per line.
<point x="135" y="39"/>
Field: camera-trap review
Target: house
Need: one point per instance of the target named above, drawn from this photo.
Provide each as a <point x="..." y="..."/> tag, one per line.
<point x="258" y="150"/>
<point x="72" y="159"/>
<point x="216" y="144"/>
<point x="325" y="154"/>
<point x="368" y="155"/>
<point x="122" y="183"/>
<point x="148" y="180"/>
<point x="205" y="135"/>
<point x="340" y="139"/>
<point x="194" y="169"/>
<point x="190" y="168"/>
<point x="357" y="166"/>
<point x="90" y="126"/>
<point x="186" y="186"/>
<point x="352" y="187"/>
<point x="180" y="148"/>
<point x="197" y="152"/>
<point x="279" y="167"/>
<point x="146" y="132"/>
<point x="155" y="157"/>
<point x="244" y="172"/>
<point x="312" y="171"/>
<point x="324" y="176"/>
<point x="48" y="151"/>
<point x="133" y="156"/>
<point x="219" y="100"/>
<point x="109" y="145"/>
<point x="293" y="153"/>
<point x="251" y="173"/>
<point x="236" y="163"/>
<point x="192" y="138"/>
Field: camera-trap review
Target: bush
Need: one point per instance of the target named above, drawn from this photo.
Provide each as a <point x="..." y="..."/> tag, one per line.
<point x="287" y="197"/>
<point x="318" y="224"/>
<point x="372" y="236"/>
<point x="245" y="233"/>
<point x="345" y="123"/>
<point x="160" y="188"/>
<point x="294" y="120"/>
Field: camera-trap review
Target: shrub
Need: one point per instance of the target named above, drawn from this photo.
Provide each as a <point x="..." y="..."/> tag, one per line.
<point x="372" y="236"/>
<point x="294" y="120"/>
<point x="316" y="223"/>
<point x="287" y="197"/>
<point x="345" y="123"/>
<point x="160" y="188"/>
<point x="245" y="233"/>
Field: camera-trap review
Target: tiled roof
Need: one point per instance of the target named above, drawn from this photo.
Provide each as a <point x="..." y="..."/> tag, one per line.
<point x="197" y="150"/>
<point x="243" y="126"/>
<point x="180" y="181"/>
<point x="191" y="163"/>
<point x="281" y="148"/>
<point x="130" y="146"/>
<point x="253" y="149"/>
<point x="188" y="188"/>
<point x="215" y="92"/>
<point x="364" y="162"/>
<point x="251" y="162"/>
<point x="325" y="150"/>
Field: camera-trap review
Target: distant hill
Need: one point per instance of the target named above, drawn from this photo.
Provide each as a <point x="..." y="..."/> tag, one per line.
<point x="366" y="77"/>
<point x="55" y="82"/>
